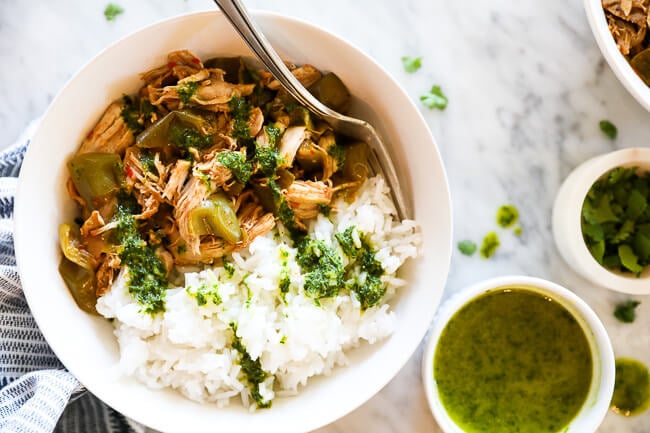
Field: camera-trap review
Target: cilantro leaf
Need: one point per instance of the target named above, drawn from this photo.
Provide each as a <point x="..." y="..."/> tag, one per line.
<point x="112" y="10"/>
<point x="467" y="247"/>
<point x="626" y="311"/>
<point x="628" y="259"/>
<point x="615" y="220"/>
<point x="411" y="64"/>
<point x="435" y="98"/>
<point x="608" y="128"/>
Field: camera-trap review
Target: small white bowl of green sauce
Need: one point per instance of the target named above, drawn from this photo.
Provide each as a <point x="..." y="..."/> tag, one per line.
<point x="576" y="245"/>
<point x="518" y="354"/>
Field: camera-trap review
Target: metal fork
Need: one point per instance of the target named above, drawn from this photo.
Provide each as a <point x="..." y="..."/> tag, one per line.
<point x="380" y="159"/>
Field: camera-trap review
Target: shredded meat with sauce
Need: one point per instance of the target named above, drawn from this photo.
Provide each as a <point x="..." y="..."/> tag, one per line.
<point x="628" y="22"/>
<point x="204" y="159"/>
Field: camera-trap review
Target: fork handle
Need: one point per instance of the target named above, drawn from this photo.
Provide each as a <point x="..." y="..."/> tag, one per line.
<point x="236" y="13"/>
<point x="238" y="16"/>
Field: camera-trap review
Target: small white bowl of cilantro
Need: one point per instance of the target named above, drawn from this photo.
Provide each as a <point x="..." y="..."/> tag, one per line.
<point x="601" y="220"/>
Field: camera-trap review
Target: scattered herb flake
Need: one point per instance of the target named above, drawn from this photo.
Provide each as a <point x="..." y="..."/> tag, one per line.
<point x="467" y="247"/>
<point x="236" y="162"/>
<point x="626" y="311"/>
<point x="435" y="99"/>
<point x="507" y="216"/>
<point x="411" y="64"/>
<point x="112" y="11"/>
<point x="517" y="231"/>
<point x="489" y="245"/>
<point x="187" y="90"/>
<point x="609" y="129"/>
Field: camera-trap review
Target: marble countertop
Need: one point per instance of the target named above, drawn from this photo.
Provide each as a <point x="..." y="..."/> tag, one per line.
<point x="527" y="87"/>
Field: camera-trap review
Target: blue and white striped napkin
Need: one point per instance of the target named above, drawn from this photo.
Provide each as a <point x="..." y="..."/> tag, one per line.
<point x="37" y="394"/>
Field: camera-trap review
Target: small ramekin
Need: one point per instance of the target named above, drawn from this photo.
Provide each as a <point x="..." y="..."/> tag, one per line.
<point x="596" y="405"/>
<point x="567" y="229"/>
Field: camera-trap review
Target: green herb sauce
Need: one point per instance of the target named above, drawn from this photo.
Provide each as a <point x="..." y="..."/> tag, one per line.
<point x="631" y="388"/>
<point x="183" y="137"/>
<point x="513" y="360"/>
<point x="147" y="161"/>
<point x="187" y="90"/>
<point x="131" y="115"/>
<point x="204" y="293"/>
<point x="267" y="158"/>
<point x="241" y="112"/>
<point x="147" y="273"/>
<point x="252" y="369"/>
<point x="369" y="289"/>
<point x="236" y="162"/>
<point x="507" y="216"/>
<point x="228" y="267"/>
<point x="490" y="245"/>
<point x="323" y="268"/>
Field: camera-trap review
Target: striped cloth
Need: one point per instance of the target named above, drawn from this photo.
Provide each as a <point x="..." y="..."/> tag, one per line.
<point x="37" y="394"/>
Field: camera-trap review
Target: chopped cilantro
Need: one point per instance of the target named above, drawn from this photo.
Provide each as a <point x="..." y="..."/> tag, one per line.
<point x="435" y="99"/>
<point x="228" y="267"/>
<point x="323" y="268"/>
<point x="368" y="286"/>
<point x="236" y="162"/>
<point x="324" y="209"/>
<point x="204" y="293"/>
<point x="184" y="138"/>
<point x="411" y="64"/>
<point x="252" y="369"/>
<point x="148" y="162"/>
<point x="609" y="129"/>
<point x="147" y="273"/>
<point x="274" y="134"/>
<point x="131" y="115"/>
<point x="187" y="90"/>
<point x="267" y="159"/>
<point x="467" y="247"/>
<point x="241" y="112"/>
<point x="489" y="245"/>
<point x="112" y="11"/>
<point x="507" y="216"/>
<point x="626" y="311"/>
<point x="616" y="220"/>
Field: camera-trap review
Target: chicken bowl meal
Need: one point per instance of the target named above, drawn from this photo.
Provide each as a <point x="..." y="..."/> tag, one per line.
<point x="217" y="254"/>
<point x="239" y="244"/>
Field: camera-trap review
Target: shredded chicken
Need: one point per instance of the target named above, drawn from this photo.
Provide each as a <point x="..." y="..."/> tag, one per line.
<point x="94" y="222"/>
<point x="231" y="167"/>
<point x="110" y="135"/>
<point x="628" y="23"/>
<point x="106" y="273"/>
<point x="306" y="197"/>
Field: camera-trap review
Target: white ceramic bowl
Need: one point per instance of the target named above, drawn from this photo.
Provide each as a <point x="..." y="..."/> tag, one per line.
<point x="616" y="60"/>
<point x="602" y="386"/>
<point x="567" y="229"/>
<point x="86" y="344"/>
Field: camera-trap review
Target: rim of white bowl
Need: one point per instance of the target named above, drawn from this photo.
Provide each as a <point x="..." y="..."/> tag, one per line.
<point x="567" y="230"/>
<point x="402" y="357"/>
<point x="596" y="404"/>
<point x="617" y="62"/>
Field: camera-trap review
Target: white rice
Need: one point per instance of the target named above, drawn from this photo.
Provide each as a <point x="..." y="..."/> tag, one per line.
<point x="189" y="346"/>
